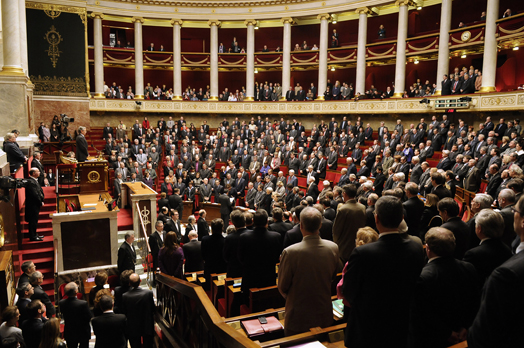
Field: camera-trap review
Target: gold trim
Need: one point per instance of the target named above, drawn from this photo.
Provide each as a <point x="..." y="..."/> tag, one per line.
<point x="423" y="48"/>
<point x="177" y="97"/>
<point x="306" y="60"/>
<point x="177" y="21"/>
<point x="139" y="96"/>
<point x="289" y="20"/>
<point x="398" y="95"/>
<point x="249" y="22"/>
<point x="214" y="22"/>
<point x="320" y="97"/>
<point x="341" y="58"/>
<point x="119" y="60"/>
<point x="381" y="54"/>
<point x="324" y="16"/>
<point x="12" y="71"/>
<point x="99" y="95"/>
<point x="213" y="98"/>
<point x="272" y="62"/>
<point x="405" y="3"/>
<point x="159" y="61"/>
<point x="470" y="40"/>
<point x="487" y="89"/>
<point x="97" y="14"/>
<point x="64" y="86"/>
<point x="231" y="63"/>
<point x="249" y="99"/>
<point x="505" y="31"/>
<point x="437" y="92"/>
<point x="137" y="19"/>
<point x="197" y="63"/>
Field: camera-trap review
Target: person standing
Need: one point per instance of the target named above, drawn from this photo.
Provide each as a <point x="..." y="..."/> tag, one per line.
<point x="156" y="242"/>
<point x="139" y="307"/>
<point x="77" y="317"/>
<point x="9" y="333"/>
<point x="109" y="328"/>
<point x="312" y="258"/>
<point x="226" y="206"/>
<point x="36" y="280"/>
<point x="350" y="217"/>
<point x="33" y="202"/>
<point x="127" y="253"/>
<point x="81" y="145"/>
<point x="171" y="256"/>
<point x="15" y="157"/>
<point x="380" y="282"/>
<point x="499" y="321"/>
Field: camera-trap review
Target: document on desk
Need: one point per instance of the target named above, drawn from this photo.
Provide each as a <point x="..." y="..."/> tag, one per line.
<point x="315" y="344"/>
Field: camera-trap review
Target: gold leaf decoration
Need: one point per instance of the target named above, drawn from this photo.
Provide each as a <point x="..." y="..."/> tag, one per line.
<point x="66" y="86"/>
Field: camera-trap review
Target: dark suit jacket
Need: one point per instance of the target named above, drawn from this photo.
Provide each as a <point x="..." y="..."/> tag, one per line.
<point x="109" y="329"/>
<point x="258" y="251"/>
<point x="155" y="243"/>
<point x="292" y="236"/>
<point x="225" y="204"/>
<point x="414" y="208"/>
<point x="499" y="321"/>
<point x="394" y="263"/>
<point x="193" y="255"/>
<point x="446" y="87"/>
<point x="230" y="253"/>
<point x="77" y="316"/>
<point x="213" y="255"/>
<point x="460" y="230"/>
<point x="203" y="228"/>
<point x="126" y="258"/>
<point x="313" y="191"/>
<point x="175" y="202"/>
<point x="446" y="299"/>
<point x="81" y="148"/>
<point x="487" y="256"/>
<point x="42" y="296"/>
<point x="32" y="332"/>
<point x="119" y="292"/>
<point x="139" y="307"/>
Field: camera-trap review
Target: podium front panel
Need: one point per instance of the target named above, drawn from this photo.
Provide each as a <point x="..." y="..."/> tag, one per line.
<point x="86" y="243"/>
<point x="93" y="176"/>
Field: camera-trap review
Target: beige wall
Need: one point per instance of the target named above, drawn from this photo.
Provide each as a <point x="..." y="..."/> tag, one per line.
<point x="45" y="108"/>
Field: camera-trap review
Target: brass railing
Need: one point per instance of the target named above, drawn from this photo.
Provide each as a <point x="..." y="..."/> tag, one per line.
<point x="144" y="248"/>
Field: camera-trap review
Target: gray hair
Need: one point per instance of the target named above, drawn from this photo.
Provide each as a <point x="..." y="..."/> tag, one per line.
<point x="191" y="218"/>
<point x="9" y="136"/>
<point x="129" y="235"/>
<point x="81" y="128"/>
<point x="484" y="200"/>
<point x="34" y="277"/>
<point x="491" y="223"/>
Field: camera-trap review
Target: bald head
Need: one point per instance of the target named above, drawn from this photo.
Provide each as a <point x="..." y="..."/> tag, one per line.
<point x="134" y="280"/>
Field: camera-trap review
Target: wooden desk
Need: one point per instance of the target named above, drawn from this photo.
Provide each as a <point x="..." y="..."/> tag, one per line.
<point x="212" y="210"/>
<point x="146" y="198"/>
<point x="188" y="210"/>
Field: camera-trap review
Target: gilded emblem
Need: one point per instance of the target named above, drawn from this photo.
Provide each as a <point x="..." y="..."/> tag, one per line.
<point x="145" y="216"/>
<point x="52" y="12"/>
<point x="53" y="38"/>
<point x="93" y="177"/>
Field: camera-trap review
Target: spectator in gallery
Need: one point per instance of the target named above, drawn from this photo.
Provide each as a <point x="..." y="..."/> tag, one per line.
<point x="461" y="25"/>
<point x="162" y="48"/>
<point x="483" y="16"/>
<point x="507" y="13"/>
<point x="381" y="32"/>
<point x="151" y="47"/>
<point x="297" y="47"/>
<point x="334" y="38"/>
<point x="305" y="46"/>
<point x="314" y="48"/>
<point x="221" y="48"/>
<point x="278" y="49"/>
<point x="265" y="49"/>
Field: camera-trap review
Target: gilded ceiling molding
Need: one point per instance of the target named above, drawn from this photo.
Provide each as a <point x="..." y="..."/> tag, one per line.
<point x="288" y="20"/>
<point x="365" y="10"/>
<point x="137" y="19"/>
<point x="177" y="21"/>
<point x="323" y="16"/>
<point x="405" y="3"/>
<point x="249" y="22"/>
<point x="97" y="15"/>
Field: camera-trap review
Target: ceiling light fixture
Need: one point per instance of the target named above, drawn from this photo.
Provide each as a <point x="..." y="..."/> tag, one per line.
<point x="516" y="48"/>
<point x="463" y="56"/>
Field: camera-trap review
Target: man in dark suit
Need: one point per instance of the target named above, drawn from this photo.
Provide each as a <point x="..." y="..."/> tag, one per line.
<point x="226" y="206"/>
<point x="380" y="180"/>
<point x="121" y="290"/>
<point x="448" y="209"/>
<point x="77" y="316"/>
<point x="24" y="292"/>
<point x="393" y="263"/>
<point x="446" y="86"/>
<point x="468" y="85"/>
<point x="156" y="242"/>
<point x="492" y="252"/>
<point x="193" y="254"/>
<point x="127" y="253"/>
<point x="494" y="181"/>
<point x="312" y="189"/>
<point x="32" y="327"/>
<point x="447" y="294"/>
<point x="37" y="163"/>
<point x="107" y="130"/>
<point x="109" y="328"/>
<point x="499" y="311"/>
<point x="290" y="95"/>
<point x="34" y="201"/>
<point x="234" y="267"/>
<point x="172" y="224"/>
<point x="139" y="308"/>
<point x="414" y="208"/>
<point x="81" y="145"/>
<point x="259" y="252"/>
<point x="321" y="167"/>
<point x="202" y="225"/>
<point x="36" y="280"/>
<point x="417" y="171"/>
<point x="175" y="202"/>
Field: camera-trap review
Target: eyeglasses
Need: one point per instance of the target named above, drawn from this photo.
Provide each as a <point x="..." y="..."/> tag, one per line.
<point x="516" y="211"/>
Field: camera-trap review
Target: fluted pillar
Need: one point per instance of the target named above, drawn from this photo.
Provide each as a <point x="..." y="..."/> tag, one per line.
<point x="400" y="67"/>
<point x="177" y="59"/>
<point x="250" y="59"/>
<point x="213" y="73"/>
<point x="360" y="85"/>
<point x="23" y="36"/>
<point x="99" y="54"/>
<point x="11" y="38"/>
<point x="443" y="44"/>
<point x="322" y="55"/>
<point x="286" y="56"/>
<point x="489" y="68"/>
<point x="139" y="58"/>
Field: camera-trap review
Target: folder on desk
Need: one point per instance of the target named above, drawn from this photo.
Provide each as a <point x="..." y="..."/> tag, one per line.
<point x="255" y="328"/>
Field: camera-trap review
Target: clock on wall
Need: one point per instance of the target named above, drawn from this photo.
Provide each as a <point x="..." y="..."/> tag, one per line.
<point x="465" y="36"/>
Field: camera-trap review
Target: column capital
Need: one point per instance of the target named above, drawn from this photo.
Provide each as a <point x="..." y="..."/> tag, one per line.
<point x="405" y="3"/>
<point x="288" y="20"/>
<point x="249" y="22"/>
<point x="137" y="19"/>
<point x="177" y="21"/>
<point x="362" y="10"/>
<point x="324" y="16"/>
<point x="214" y="22"/>
<point x="97" y="15"/>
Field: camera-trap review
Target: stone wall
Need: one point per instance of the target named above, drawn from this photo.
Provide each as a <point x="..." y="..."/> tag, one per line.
<point x="46" y="107"/>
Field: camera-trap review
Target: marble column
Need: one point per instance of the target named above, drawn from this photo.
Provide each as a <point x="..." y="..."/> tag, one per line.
<point x="23" y="36"/>
<point x="99" y="54"/>
<point x="250" y="60"/>
<point x="11" y="38"/>
<point x="177" y="59"/>
<point x="139" y="58"/>
<point x="400" y="67"/>
<point x="360" y="85"/>
<point x="322" y="55"/>
<point x="443" y="44"/>
<point x="213" y="46"/>
<point x="286" y="56"/>
<point x="489" y="68"/>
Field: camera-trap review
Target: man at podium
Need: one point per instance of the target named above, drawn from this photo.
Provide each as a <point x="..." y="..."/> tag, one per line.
<point x="81" y="145"/>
